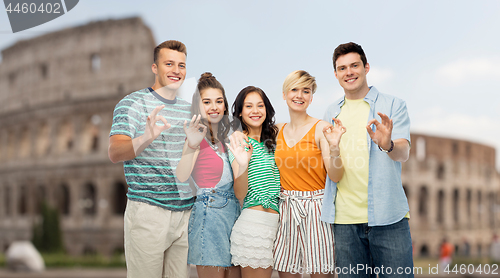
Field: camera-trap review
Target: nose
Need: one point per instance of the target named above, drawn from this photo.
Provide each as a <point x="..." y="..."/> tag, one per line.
<point x="175" y="69"/>
<point x="349" y="71"/>
<point x="213" y="106"/>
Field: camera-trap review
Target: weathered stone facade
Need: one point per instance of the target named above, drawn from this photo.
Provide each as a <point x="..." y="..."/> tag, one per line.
<point x="57" y="95"/>
<point x="453" y="190"/>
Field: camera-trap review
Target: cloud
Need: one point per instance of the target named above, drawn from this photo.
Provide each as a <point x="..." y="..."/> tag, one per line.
<point x="473" y="69"/>
<point x="481" y="129"/>
<point x="379" y="75"/>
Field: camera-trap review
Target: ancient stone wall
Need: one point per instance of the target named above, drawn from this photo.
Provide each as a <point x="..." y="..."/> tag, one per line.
<point x="57" y="95"/>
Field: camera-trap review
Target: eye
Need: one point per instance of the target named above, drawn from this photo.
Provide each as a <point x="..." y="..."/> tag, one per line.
<point x="306" y="92"/>
<point x="168" y="64"/>
<point x="341" y="69"/>
<point x="355" y="66"/>
<point x="248" y="106"/>
<point x="294" y="90"/>
<point x="219" y="101"/>
<point x="206" y="102"/>
<point x="261" y="105"/>
<point x="182" y="66"/>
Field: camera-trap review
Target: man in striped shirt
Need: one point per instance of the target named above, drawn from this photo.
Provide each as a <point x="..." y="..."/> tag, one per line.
<point x="147" y="135"/>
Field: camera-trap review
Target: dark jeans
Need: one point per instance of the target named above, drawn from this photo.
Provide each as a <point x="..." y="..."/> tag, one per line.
<point x="363" y="251"/>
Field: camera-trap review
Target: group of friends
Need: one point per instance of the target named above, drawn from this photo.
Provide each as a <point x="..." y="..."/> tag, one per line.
<point x="312" y="196"/>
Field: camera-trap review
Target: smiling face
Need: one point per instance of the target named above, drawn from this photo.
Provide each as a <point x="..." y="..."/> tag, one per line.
<point x="351" y="75"/>
<point x="212" y="105"/>
<point x="253" y="113"/>
<point x="169" y="70"/>
<point x="298" y="99"/>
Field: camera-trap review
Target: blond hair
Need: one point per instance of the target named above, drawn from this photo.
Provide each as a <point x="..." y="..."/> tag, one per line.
<point x="299" y="79"/>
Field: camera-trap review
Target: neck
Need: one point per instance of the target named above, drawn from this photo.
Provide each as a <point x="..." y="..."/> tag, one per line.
<point x="214" y="127"/>
<point x="164" y="92"/>
<point x="254" y="133"/>
<point x="357" y="94"/>
<point x="298" y="119"/>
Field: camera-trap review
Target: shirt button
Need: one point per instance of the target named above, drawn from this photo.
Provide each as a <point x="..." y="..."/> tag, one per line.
<point x="213" y="191"/>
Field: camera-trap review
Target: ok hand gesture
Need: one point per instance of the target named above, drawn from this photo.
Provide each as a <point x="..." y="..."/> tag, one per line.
<point x="333" y="133"/>
<point x="153" y="130"/>
<point x="383" y="132"/>
<point x="195" y="132"/>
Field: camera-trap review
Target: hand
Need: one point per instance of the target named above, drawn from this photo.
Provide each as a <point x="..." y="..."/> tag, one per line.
<point x="241" y="138"/>
<point x="241" y="155"/>
<point x="333" y="133"/>
<point x="152" y="129"/>
<point x="383" y="131"/>
<point x="193" y="133"/>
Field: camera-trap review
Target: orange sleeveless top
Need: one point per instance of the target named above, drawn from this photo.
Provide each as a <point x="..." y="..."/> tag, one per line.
<point x="301" y="166"/>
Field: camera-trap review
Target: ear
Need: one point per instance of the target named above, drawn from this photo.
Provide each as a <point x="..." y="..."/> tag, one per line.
<point x="336" y="74"/>
<point x="284" y="97"/>
<point x="311" y="100"/>
<point x="367" y="68"/>
<point x="154" y="68"/>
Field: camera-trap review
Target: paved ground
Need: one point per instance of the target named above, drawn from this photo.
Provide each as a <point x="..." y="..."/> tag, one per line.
<point x="121" y="273"/>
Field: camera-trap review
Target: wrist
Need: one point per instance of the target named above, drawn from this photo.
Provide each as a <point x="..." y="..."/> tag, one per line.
<point x="193" y="148"/>
<point x="388" y="150"/>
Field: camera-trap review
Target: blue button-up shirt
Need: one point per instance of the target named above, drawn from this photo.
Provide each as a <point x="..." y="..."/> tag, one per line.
<point x="387" y="203"/>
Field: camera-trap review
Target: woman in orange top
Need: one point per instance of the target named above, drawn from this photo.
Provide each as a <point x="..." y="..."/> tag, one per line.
<point x="306" y="151"/>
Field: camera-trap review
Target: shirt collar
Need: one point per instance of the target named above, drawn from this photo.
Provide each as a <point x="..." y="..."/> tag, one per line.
<point x="371" y="97"/>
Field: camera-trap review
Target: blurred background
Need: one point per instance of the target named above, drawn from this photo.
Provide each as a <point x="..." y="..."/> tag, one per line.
<point x="60" y="81"/>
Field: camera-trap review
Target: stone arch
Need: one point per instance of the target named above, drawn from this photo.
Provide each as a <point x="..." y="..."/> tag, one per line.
<point x="6" y="201"/>
<point x="440" y="171"/>
<point x="422" y="202"/>
<point x="63" y="199"/>
<point x="119" y="198"/>
<point x="91" y="138"/>
<point x="89" y="199"/>
<point x="479" y="205"/>
<point x="22" y="202"/>
<point x="39" y="198"/>
<point x="25" y="143"/>
<point x="469" y="204"/>
<point x="491" y="209"/>
<point x="441" y="206"/>
<point x="456" y="205"/>
<point x="424" y="251"/>
<point x="43" y="140"/>
<point x="66" y="136"/>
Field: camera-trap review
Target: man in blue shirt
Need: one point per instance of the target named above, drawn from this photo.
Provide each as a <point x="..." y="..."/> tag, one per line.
<point x="368" y="206"/>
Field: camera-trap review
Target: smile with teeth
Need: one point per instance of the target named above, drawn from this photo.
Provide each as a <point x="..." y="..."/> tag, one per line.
<point x="350" y="80"/>
<point x="297" y="102"/>
<point x="174" y="78"/>
<point x="255" y="118"/>
<point x="213" y="115"/>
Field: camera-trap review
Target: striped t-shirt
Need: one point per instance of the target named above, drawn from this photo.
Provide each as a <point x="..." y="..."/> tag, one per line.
<point x="263" y="178"/>
<point x="151" y="175"/>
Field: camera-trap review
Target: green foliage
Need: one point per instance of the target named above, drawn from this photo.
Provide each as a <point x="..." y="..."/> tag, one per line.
<point x="63" y="260"/>
<point x="47" y="235"/>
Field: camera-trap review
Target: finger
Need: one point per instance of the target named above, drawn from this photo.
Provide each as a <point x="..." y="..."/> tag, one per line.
<point x="373" y="121"/>
<point x="164" y="121"/>
<point x="370" y="131"/>
<point x="191" y="123"/>
<point x="197" y="121"/>
<point x="204" y="127"/>
<point x="156" y="110"/>
<point x="385" y="119"/>
<point x="185" y="125"/>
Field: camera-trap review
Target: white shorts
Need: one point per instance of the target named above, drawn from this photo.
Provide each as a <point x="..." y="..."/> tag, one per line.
<point x="252" y="239"/>
<point x="304" y="243"/>
<point x="156" y="241"/>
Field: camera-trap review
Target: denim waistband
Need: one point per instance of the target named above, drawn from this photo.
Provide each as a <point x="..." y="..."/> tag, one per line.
<point x="207" y="192"/>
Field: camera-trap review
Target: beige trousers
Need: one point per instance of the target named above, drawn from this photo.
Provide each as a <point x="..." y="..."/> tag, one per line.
<point x="156" y="241"/>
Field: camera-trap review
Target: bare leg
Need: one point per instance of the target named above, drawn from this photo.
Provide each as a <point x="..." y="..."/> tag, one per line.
<point x="233" y="272"/>
<point x="248" y="272"/>
<point x="210" y="271"/>
<point x="289" y="275"/>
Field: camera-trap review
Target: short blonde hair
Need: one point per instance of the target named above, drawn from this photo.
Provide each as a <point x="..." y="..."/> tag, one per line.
<point x="299" y="79"/>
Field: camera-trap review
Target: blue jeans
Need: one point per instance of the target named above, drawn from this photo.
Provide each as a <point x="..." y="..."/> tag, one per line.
<point x="363" y="251"/>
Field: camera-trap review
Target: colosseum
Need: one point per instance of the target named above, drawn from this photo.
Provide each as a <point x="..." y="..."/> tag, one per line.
<point x="53" y="147"/>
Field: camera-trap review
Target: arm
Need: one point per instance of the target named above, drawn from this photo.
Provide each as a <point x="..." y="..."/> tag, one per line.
<point x="191" y="148"/>
<point x="330" y="150"/>
<point x="382" y="137"/>
<point x="240" y="167"/>
<point x="123" y="148"/>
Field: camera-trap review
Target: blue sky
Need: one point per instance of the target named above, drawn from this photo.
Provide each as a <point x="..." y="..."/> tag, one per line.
<point x="441" y="57"/>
